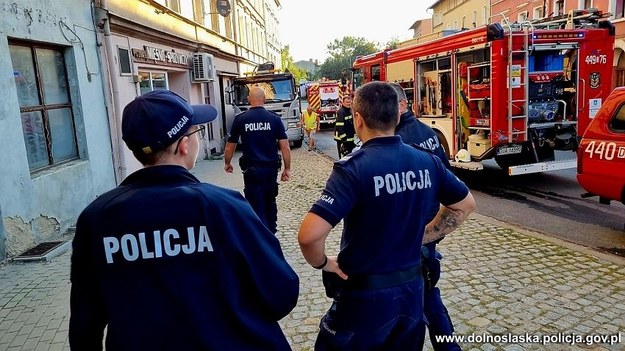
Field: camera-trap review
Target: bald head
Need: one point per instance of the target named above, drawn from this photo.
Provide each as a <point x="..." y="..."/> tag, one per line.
<point x="257" y="96"/>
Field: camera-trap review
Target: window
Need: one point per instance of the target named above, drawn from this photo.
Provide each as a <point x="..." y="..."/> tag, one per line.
<point x="152" y="81"/>
<point x="375" y="72"/>
<point x="538" y="13"/>
<point x="558" y="7"/>
<point x="617" y="123"/>
<point x="174" y="5"/>
<point x="619" y="11"/>
<point x="124" y="61"/>
<point x="41" y="80"/>
<point x="474" y="21"/>
<point x="522" y="17"/>
<point x="587" y="4"/>
<point x="484" y="15"/>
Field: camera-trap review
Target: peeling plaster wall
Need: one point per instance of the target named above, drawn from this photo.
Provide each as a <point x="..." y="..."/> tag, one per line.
<point x="38" y="206"/>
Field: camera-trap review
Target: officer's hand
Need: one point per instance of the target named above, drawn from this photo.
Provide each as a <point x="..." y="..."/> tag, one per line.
<point x="228" y="168"/>
<point x="286" y="175"/>
<point x="333" y="266"/>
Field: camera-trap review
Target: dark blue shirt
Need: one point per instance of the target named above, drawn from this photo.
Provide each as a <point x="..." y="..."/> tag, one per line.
<point x="413" y="131"/>
<point x="259" y="130"/>
<point x="381" y="191"/>
<point x="170" y="263"/>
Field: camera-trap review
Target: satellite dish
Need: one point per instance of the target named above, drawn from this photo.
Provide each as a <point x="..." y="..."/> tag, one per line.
<point x="223" y="7"/>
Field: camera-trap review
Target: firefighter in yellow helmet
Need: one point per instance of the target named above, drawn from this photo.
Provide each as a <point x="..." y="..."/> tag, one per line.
<point x="344" y="127"/>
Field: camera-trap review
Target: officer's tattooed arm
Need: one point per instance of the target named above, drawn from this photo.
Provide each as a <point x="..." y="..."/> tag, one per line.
<point x="448" y="219"/>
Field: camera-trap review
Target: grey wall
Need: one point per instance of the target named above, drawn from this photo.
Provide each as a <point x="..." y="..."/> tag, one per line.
<point x="39" y="205"/>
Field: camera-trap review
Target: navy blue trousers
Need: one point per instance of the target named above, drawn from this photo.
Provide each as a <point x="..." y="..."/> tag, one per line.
<point x="261" y="189"/>
<point x="436" y="315"/>
<point x="384" y="319"/>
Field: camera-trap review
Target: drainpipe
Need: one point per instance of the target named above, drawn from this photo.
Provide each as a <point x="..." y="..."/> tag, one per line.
<point x="114" y="109"/>
<point x="2" y="238"/>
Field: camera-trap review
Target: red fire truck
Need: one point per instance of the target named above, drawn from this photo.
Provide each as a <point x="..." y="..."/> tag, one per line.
<point x="325" y="98"/>
<point x="512" y="92"/>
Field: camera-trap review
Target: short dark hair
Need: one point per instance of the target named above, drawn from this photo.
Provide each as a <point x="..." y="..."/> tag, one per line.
<point x="401" y="94"/>
<point x="377" y="103"/>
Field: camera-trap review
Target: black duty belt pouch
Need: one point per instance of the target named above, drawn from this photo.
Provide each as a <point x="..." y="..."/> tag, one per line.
<point x="332" y="283"/>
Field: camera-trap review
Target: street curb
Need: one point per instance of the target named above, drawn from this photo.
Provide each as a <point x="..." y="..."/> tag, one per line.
<point x="557" y="241"/>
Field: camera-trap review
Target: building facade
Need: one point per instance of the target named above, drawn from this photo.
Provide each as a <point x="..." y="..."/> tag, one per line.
<point x="53" y="122"/>
<point x="73" y="67"/>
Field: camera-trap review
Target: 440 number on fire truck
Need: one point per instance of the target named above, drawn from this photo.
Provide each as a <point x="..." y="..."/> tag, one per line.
<point x="605" y="150"/>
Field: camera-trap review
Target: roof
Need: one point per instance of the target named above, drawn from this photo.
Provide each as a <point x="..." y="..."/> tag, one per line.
<point x="434" y="4"/>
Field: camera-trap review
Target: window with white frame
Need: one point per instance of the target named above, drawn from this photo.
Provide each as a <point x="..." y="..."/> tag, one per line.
<point x="152" y="81"/>
<point x="522" y="17"/>
<point x="537" y="13"/>
<point x="587" y="4"/>
<point x="558" y="7"/>
<point x="484" y="15"/>
<point x="46" y="110"/>
<point x="474" y="19"/>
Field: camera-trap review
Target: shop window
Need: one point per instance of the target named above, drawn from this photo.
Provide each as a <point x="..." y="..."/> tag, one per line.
<point x="43" y="92"/>
<point x="152" y="81"/>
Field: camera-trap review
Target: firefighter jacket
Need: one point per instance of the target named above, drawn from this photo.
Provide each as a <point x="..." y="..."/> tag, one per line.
<point x="344" y="125"/>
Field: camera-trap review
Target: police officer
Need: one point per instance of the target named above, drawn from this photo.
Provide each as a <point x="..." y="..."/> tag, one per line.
<point x="260" y="131"/>
<point x="157" y="264"/>
<point x="380" y="192"/>
<point x="344" y="127"/>
<point x="438" y="321"/>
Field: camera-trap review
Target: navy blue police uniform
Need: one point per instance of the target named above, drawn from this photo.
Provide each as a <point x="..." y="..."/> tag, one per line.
<point x="437" y="317"/>
<point x="380" y="305"/>
<point x="260" y="130"/>
<point x="165" y="262"/>
<point x="178" y="265"/>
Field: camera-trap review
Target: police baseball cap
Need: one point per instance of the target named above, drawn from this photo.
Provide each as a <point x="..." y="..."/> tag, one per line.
<point x="155" y="120"/>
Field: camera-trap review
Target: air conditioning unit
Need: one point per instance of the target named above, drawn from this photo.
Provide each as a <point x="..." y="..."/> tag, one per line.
<point x="203" y="68"/>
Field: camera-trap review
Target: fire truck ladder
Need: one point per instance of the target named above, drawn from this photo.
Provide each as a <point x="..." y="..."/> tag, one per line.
<point x="520" y="73"/>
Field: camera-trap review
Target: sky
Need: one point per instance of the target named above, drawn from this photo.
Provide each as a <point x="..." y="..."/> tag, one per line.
<point x="307" y="27"/>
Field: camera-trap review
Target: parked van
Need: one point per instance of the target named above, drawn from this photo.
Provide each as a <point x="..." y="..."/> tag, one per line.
<point x="601" y="153"/>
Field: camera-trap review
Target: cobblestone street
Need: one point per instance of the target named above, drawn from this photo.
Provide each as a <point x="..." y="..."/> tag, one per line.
<point x="498" y="281"/>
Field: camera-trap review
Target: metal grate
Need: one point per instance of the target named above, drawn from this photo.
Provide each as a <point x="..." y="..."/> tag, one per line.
<point x="39" y="251"/>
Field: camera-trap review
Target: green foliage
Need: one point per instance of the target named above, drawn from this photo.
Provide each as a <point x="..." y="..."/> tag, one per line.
<point x="342" y="52"/>
<point x="288" y="64"/>
<point x="393" y="43"/>
<point x="342" y="55"/>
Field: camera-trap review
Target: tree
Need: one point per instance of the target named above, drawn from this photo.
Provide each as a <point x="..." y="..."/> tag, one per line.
<point x="288" y="64"/>
<point x="342" y="55"/>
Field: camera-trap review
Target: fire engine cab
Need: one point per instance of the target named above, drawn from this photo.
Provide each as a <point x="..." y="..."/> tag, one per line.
<point x="512" y="92"/>
<point x="601" y="155"/>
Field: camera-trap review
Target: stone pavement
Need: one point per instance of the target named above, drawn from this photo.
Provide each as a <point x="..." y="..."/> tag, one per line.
<point x="499" y="282"/>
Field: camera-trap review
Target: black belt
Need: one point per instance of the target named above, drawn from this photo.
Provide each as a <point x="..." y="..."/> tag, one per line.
<point x="333" y="282"/>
